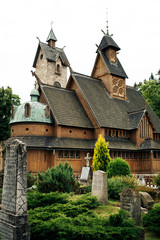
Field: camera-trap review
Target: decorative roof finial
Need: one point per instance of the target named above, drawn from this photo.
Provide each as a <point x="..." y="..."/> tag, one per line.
<point x="107" y="31"/>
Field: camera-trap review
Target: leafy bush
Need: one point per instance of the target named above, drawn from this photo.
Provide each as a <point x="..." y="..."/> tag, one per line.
<point x="101" y="156"/>
<point x="116" y="185"/>
<point x="118" y="167"/>
<point x="149" y="190"/>
<point x="31" y="179"/>
<point x="151" y="220"/>
<point x="36" y="199"/>
<point x="157" y="180"/>
<point x="59" y="179"/>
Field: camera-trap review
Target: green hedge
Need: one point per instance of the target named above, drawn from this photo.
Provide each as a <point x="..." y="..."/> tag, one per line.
<point x="151" y="220"/>
<point x="118" y="167"/>
<point x="76" y="220"/>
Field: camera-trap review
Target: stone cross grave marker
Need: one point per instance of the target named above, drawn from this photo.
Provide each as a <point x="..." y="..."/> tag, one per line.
<point x="86" y="174"/>
<point x="130" y="200"/>
<point x="99" y="186"/>
<point x="87" y="158"/>
<point x="13" y="215"/>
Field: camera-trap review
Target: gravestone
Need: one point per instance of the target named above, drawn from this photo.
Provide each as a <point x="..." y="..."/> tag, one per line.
<point x="141" y="180"/>
<point x="146" y="200"/>
<point x="13" y="215"/>
<point x="86" y="174"/>
<point x="130" y="200"/>
<point x="99" y="186"/>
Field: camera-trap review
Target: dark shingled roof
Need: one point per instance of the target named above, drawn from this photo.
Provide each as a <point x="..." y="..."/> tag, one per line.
<point x="121" y="144"/>
<point x="150" y="144"/>
<point x="106" y="42"/>
<point x="66" y="107"/>
<point x="114" y="113"/>
<point x="51" y="36"/>
<point x="114" y="68"/>
<point x="51" y="54"/>
<point x="72" y="143"/>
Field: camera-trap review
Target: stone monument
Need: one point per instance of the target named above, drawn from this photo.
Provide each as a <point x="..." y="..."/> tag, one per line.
<point x="130" y="200"/>
<point x="99" y="186"/>
<point x="86" y="174"/>
<point x="13" y="215"/>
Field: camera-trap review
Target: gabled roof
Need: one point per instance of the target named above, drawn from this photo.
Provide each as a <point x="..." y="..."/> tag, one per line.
<point x="51" y="54"/>
<point x="66" y="107"/>
<point x="114" y="68"/>
<point x="107" y="42"/>
<point x="150" y="144"/>
<point x="114" y="113"/>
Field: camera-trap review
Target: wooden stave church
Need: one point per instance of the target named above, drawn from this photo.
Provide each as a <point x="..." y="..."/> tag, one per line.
<point x="81" y="109"/>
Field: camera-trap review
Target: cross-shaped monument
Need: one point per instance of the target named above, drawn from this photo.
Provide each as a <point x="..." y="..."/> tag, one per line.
<point x="87" y="158"/>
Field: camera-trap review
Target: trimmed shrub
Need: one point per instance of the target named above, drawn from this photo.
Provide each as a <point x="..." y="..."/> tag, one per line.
<point x="157" y="180"/>
<point x="36" y="199"/>
<point x="151" y="220"/>
<point x="118" y="167"/>
<point x="58" y="179"/>
<point x="116" y="185"/>
<point x="31" y="179"/>
<point x="101" y="156"/>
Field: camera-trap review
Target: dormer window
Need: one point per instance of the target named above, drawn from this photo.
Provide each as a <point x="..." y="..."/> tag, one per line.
<point x="27" y="110"/>
<point x="47" y="112"/>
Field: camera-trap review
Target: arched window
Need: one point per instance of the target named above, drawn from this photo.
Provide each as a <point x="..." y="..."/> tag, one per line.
<point x="47" y="112"/>
<point x="27" y="110"/>
<point x="58" y="69"/>
<point x="57" y="84"/>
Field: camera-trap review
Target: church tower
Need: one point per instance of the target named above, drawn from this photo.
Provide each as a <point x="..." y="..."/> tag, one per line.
<point x="108" y="68"/>
<point x="51" y="62"/>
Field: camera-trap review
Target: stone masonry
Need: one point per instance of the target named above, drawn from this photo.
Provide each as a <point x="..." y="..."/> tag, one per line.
<point x="13" y="216"/>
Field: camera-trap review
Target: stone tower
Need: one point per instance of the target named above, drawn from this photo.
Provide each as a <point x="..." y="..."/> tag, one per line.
<point x="51" y="62"/>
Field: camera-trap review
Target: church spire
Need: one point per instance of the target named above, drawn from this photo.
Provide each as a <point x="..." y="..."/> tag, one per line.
<point x="51" y="39"/>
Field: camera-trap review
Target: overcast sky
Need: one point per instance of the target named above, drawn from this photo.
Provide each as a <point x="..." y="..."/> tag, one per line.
<point x="135" y="25"/>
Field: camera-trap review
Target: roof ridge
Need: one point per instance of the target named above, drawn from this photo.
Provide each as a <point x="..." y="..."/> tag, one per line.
<point x="85" y="76"/>
<point x="59" y="88"/>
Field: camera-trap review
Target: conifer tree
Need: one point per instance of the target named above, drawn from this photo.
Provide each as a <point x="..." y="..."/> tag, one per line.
<point x="101" y="157"/>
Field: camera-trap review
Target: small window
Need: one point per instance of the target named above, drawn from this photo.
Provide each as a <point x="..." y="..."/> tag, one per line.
<point x="41" y="56"/>
<point x="47" y="112"/>
<point x="115" y="154"/>
<point x="27" y="129"/>
<point x="57" y="84"/>
<point x="155" y="154"/>
<point x="113" y="133"/>
<point x="120" y="133"/>
<point x="116" y="133"/>
<point x="123" y="155"/>
<point x="66" y="154"/>
<point x="124" y="134"/>
<point x="127" y="155"/>
<point x="58" y="69"/>
<point x="85" y="133"/>
<point x="70" y="131"/>
<point x="77" y="154"/>
<point x="60" y="154"/>
<point x="72" y="154"/>
<point x="109" y="133"/>
<point x="46" y="130"/>
<point x="119" y="154"/>
<point x="27" y="110"/>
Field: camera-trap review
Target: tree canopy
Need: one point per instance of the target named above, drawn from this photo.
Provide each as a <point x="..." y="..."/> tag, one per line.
<point x="150" y="90"/>
<point x="7" y="99"/>
<point x="101" y="156"/>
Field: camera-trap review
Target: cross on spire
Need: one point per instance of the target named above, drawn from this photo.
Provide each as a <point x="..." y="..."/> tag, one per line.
<point x="51" y="23"/>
